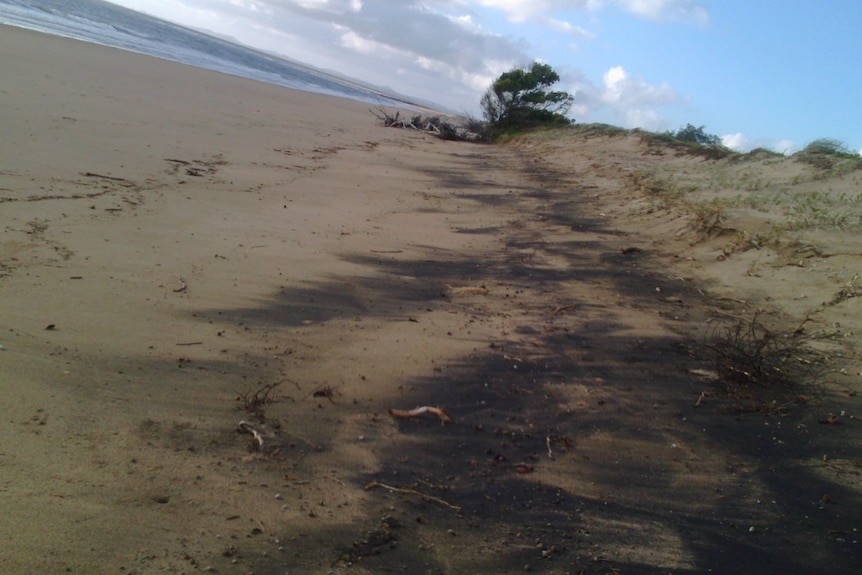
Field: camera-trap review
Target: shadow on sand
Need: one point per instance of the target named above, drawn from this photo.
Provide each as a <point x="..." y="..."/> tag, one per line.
<point x="577" y="445"/>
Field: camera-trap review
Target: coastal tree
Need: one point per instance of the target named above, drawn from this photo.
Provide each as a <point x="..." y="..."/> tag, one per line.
<point x="697" y="135"/>
<point x="522" y="98"/>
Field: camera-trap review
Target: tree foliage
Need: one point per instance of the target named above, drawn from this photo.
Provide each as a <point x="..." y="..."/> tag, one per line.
<point x="522" y="98"/>
<point x="697" y="135"/>
<point x="829" y="146"/>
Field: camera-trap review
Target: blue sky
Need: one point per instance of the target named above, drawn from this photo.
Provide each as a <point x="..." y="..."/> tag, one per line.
<point x="771" y="73"/>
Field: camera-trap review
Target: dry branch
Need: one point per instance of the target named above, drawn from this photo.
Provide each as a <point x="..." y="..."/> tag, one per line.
<point x="405" y="413"/>
<point x="463" y="130"/>
<point x="252" y="402"/>
<point x="374" y="484"/>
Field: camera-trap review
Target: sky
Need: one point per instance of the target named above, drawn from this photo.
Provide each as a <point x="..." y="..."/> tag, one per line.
<point x="758" y="73"/>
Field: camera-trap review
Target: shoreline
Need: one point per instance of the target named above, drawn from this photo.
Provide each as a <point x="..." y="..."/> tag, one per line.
<point x="364" y="94"/>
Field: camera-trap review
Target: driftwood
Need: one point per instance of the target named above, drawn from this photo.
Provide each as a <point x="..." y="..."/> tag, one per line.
<point x="390" y="121"/>
<point x="404" y="413"/>
<point x="463" y="130"/>
<point x="246" y="427"/>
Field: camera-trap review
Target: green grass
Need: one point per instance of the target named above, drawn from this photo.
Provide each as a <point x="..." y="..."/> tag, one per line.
<point x="819" y="209"/>
<point x="594" y="130"/>
<point x="761" y="180"/>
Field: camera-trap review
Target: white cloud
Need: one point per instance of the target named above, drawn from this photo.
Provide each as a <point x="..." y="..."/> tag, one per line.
<point x="620" y="99"/>
<point x="477" y="82"/>
<point x="667" y="9"/>
<point x="736" y="142"/>
<point x="430" y="65"/>
<point x="634" y="101"/>
<point x="742" y="143"/>
<point x="333" y="6"/>
<point x="466" y="21"/>
<point x="521" y="10"/>
<point x="440" y="42"/>
<point x="620" y="88"/>
<point x="518" y="10"/>
<point x="353" y="41"/>
<point x="614" y="80"/>
<point x="568" y="28"/>
<point x="784" y="146"/>
<point x="432" y="49"/>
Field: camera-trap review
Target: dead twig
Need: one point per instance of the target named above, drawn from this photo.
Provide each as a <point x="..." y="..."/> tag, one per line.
<point x="253" y="402"/>
<point x="404" y="413"/>
<point x="122" y="181"/>
<point x="326" y="391"/>
<point x="564" y="309"/>
<point x="765" y="408"/>
<point x="750" y="354"/>
<point x="467" y="290"/>
<point x="425" y="496"/>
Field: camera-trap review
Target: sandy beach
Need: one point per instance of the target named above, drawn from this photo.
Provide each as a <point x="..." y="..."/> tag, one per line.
<point x="182" y="250"/>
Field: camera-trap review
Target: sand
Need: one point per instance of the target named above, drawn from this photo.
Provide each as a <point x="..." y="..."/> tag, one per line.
<point x="177" y="244"/>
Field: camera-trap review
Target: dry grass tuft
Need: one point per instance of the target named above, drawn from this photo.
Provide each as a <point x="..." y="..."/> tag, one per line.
<point x="748" y="353"/>
<point x="254" y="402"/>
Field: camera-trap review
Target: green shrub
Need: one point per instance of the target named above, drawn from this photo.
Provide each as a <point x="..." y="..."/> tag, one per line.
<point x="829" y="155"/>
<point x="522" y="99"/>
<point x="696" y="135"/>
<point x="829" y="146"/>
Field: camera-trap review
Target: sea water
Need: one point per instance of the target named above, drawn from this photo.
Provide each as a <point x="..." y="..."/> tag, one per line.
<point x="111" y="25"/>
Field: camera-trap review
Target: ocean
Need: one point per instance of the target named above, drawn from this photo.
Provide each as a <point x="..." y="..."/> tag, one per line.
<point x="111" y="25"/>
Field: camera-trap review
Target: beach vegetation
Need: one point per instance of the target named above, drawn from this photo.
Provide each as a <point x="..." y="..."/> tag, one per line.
<point x="254" y="401"/>
<point x="662" y="193"/>
<point x="688" y="140"/>
<point x="708" y="217"/>
<point x="752" y="357"/>
<point x="522" y="98"/>
<point x="599" y="129"/>
<point x="850" y="288"/>
<point x="829" y="155"/>
<point x="763" y="154"/>
<point x="829" y="146"/>
<point x="821" y="209"/>
<point x="696" y="135"/>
